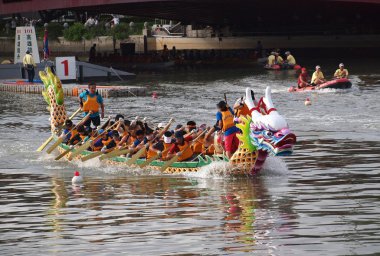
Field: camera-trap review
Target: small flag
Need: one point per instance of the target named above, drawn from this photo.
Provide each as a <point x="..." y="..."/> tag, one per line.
<point x="46" y="45"/>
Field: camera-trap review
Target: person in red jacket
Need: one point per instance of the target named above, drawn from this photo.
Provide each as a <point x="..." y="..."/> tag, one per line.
<point x="303" y="79"/>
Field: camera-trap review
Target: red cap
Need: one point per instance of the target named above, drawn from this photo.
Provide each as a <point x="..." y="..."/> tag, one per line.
<point x="303" y="69"/>
<point x="307" y="99"/>
<point x="76" y="173"/>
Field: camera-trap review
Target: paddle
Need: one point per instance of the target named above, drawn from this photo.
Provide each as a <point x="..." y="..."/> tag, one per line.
<point x="51" y="137"/>
<point x="175" y="158"/>
<point x="91" y="156"/>
<point x="141" y="152"/>
<point x="116" y="152"/>
<point x="150" y="160"/>
<point x="63" y="154"/>
<point x="90" y="143"/>
<point x="60" y="139"/>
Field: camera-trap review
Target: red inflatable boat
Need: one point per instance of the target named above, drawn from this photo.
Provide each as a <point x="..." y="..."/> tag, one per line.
<point x="284" y="67"/>
<point x="342" y="83"/>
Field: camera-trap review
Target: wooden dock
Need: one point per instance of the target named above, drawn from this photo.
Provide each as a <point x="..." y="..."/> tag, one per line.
<point x="106" y="91"/>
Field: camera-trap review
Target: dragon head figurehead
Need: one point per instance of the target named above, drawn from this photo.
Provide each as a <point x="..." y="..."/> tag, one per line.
<point x="54" y="97"/>
<point x="265" y="130"/>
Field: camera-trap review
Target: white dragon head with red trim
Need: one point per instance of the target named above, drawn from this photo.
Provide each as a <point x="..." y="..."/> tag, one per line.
<point x="266" y="129"/>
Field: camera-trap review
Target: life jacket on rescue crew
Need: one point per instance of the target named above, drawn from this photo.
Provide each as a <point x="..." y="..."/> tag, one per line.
<point x="227" y="120"/>
<point x="91" y="103"/>
<point x="187" y="151"/>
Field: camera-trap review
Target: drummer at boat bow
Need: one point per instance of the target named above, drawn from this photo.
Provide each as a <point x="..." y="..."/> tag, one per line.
<point x="318" y="77"/>
<point x="341" y="72"/>
<point x="91" y="101"/>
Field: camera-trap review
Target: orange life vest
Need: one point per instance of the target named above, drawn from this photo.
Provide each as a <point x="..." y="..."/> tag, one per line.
<point x="167" y="147"/>
<point x="91" y="104"/>
<point x="210" y="150"/>
<point x="197" y="147"/>
<point x="187" y="153"/>
<point x="150" y="153"/>
<point x="243" y="111"/>
<point x="227" y="120"/>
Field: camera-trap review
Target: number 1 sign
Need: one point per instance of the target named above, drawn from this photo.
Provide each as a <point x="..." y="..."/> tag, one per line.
<point x="66" y="68"/>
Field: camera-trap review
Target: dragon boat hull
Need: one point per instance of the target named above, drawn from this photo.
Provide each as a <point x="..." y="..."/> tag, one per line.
<point x="175" y="168"/>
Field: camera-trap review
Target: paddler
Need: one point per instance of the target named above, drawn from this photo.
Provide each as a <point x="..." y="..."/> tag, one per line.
<point x="113" y="143"/>
<point x="181" y="147"/>
<point x="225" y="122"/>
<point x="156" y="144"/>
<point x="341" y="72"/>
<point x="68" y="130"/>
<point x="318" y="77"/>
<point x="90" y="101"/>
<point x="290" y="60"/>
<point x="303" y="79"/>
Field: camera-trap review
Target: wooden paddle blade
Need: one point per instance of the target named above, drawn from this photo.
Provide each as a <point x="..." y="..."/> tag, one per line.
<point x="79" y="150"/>
<point x="136" y="156"/>
<point x="56" y="144"/>
<point x="63" y="154"/>
<point x="115" y="153"/>
<point x="148" y="161"/>
<point x="44" y="144"/>
<point x="169" y="163"/>
<point x="91" y="156"/>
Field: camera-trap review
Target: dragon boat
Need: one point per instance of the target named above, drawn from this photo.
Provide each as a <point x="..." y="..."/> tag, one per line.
<point x="265" y="132"/>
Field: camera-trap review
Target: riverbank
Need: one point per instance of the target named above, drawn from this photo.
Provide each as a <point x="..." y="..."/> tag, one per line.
<point x="61" y="47"/>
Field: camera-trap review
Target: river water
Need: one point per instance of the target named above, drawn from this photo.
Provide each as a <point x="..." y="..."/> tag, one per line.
<point x="322" y="200"/>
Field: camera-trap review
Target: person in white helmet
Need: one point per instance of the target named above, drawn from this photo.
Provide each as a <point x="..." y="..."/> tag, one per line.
<point x="290" y="60"/>
<point x="318" y="77"/>
<point x="341" y="72"/>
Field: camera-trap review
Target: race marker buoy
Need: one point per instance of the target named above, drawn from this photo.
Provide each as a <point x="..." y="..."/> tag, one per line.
<point x="307" y="102"/>
<point x="77" y="179"/>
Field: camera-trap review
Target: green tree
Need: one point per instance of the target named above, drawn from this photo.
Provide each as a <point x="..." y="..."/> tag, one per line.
<point x="75" y="32"/>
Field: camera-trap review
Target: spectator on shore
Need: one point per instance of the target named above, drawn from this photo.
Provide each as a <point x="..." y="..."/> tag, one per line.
<point x="29" y="65"/>
<point x="90" y="22"/>
<point x="115" y="21"/>
<point x="165" y="53"/>
<point x="92" y="54"/>
<point x="13" y="24"/>
<point x="173" y="53"/>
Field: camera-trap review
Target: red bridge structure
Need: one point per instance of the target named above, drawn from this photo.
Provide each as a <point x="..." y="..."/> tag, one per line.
<point x="244" y="15"/>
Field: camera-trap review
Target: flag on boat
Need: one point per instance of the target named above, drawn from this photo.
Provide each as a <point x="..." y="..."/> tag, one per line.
<point x="46" y="45"/>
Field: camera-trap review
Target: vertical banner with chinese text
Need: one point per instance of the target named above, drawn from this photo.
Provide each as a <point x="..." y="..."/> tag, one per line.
<point x="25" y="39"/>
